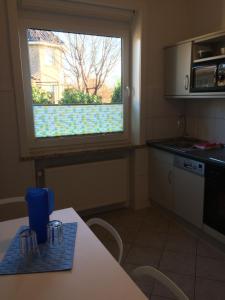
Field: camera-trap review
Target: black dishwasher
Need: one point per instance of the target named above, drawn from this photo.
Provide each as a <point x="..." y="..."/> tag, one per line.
<point x="214" y="202"/>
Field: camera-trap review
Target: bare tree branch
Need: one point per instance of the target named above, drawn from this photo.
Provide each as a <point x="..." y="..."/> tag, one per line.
<point x="89" y="60"/>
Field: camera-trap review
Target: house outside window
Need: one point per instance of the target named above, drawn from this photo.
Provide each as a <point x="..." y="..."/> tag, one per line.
<point x="49" y="55"/>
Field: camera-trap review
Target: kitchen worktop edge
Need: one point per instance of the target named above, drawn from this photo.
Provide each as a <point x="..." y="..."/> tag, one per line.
<point x="205" y="156"/>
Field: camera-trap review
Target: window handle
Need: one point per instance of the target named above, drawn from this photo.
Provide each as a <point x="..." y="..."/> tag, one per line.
<point x="128" y="91"/>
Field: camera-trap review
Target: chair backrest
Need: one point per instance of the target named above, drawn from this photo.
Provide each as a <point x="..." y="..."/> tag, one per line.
<point x="112" y="230"/>
<point x="11" y="200"/>
<point x="162" y="278"/>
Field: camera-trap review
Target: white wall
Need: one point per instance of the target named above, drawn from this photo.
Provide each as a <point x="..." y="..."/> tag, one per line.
<point x="207" y="16"/>
<point x="168" y="22"/>
<point x="206" y="119"/>
<point x="15" y="175"/>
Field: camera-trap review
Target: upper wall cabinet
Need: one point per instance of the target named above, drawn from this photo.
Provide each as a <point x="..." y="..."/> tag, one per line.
<point x="177" y="70"/>
<point x="196" y="68"/>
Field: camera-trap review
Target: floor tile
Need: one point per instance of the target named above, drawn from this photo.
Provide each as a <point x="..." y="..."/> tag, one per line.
<point x="210" y="268"/>
<point x="114" y="216"/>
<point x="143" y="256"/>
<point x="180" y="263"/>
<point x="126" y="250"/>
<point x="116" y="213"/>
<point x="175" y="227"/>
<point x="157" y="210"/>
<point x="206" y="250"/>
<point x="142" y="213"/>
<point x="127" y="234"/>
<point x="128" y="222"/>
<point x="186" y="283"/>
<point x="127" y="216"/>
<point x="182" y="243"/>
<point x="157" y="224"/>
<point x="209" y="290"/>
<point x="148" y="238"/>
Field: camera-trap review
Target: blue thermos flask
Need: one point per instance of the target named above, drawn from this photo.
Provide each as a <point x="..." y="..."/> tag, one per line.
<point x="40" y="203"/>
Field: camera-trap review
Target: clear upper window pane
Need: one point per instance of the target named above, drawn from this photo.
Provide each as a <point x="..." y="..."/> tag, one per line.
<point x="76" y="83"/>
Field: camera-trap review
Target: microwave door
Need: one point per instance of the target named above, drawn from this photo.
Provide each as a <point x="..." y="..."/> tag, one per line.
<point x="221" y="75"/>
<point x="205" y="77"/>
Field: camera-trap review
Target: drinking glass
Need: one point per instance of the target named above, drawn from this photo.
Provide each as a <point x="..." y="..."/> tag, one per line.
<point x="55" y="233"/>
<point x="28" y="243"/>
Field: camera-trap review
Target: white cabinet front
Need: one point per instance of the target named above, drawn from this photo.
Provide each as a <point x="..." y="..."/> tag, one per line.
<point x="161" y="178"/>
<point x="177" y="70"/>
<point x="176" y="189"/>
<point x="189" y="196"/>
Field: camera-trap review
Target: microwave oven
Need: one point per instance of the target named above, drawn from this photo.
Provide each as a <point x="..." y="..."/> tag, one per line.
<point x="208" y="77"/>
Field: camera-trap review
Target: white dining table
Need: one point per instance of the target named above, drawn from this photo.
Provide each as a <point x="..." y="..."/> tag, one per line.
<point x="95" y="275"/>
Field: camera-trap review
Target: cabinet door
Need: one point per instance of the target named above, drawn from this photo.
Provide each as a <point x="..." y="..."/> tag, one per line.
<point x="189" y="196"/>
<point x="177" y="70"/>
<point x="161" y="178"/>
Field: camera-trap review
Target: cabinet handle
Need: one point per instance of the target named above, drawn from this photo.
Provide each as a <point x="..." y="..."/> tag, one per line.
<point x="170" y="177"/>
<point x="186" y="82"/>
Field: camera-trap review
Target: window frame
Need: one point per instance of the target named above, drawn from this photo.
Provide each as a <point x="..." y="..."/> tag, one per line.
<point x="73" y="24"/>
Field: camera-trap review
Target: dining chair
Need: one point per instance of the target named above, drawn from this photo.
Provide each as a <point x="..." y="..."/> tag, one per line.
<point x="162" y="278"/>
<point x="112" y="230"/>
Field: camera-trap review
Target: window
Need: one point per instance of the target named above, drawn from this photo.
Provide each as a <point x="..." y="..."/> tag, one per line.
<point x="73" y="78"/>
<point x="87" y="77"/>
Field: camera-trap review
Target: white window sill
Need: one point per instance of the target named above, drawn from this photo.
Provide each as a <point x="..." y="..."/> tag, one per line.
<point x="59" y="152"/>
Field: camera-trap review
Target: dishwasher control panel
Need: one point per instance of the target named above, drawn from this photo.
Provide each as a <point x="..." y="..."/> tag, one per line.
<point x="189" y="165"/>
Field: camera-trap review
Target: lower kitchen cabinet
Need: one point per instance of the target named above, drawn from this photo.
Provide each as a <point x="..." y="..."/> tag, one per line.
<point x="179" y="190"/>
<point x="189" y="196"/>
<point x="161" y="178"/>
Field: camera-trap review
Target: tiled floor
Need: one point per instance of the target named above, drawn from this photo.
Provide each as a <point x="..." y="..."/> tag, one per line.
<point x="152" y="237"/>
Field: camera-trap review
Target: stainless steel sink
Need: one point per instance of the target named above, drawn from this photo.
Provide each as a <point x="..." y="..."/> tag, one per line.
<point x="181" y="144"/>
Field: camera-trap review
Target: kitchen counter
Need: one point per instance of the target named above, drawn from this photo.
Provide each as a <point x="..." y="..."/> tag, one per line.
<point x="213" y="156"/>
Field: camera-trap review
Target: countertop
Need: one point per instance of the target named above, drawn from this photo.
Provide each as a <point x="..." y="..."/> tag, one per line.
<point x="213" y="156"/>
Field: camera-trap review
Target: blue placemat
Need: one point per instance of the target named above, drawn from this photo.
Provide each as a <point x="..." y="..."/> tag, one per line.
<point x="50" y="259"/>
